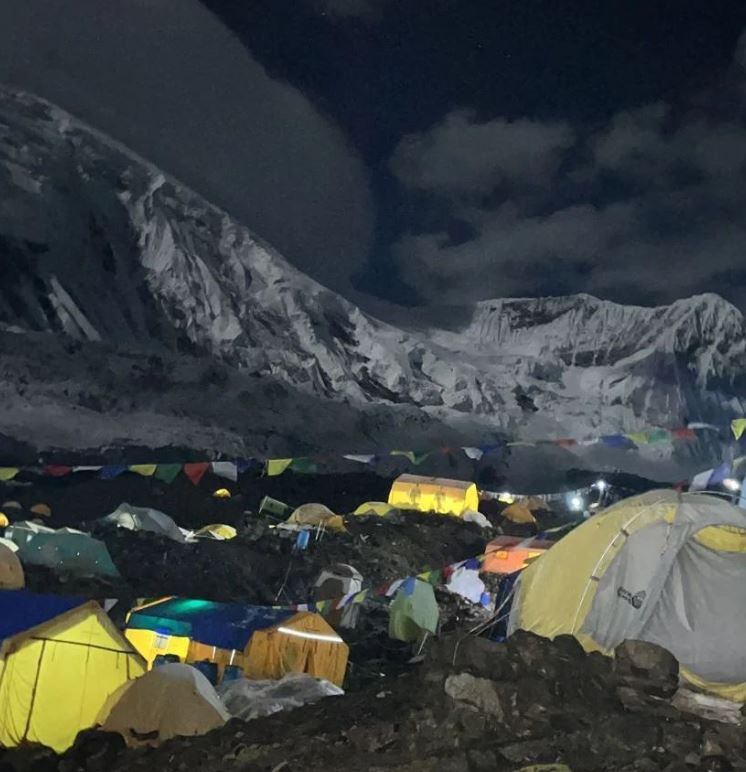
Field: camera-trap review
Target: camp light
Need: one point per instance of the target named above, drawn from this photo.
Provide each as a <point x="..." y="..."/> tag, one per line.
<point x="732" y="485"/>
<point x="602" y="485"/>
<point x="310" y="636"/>
<point x="576" y="504"/>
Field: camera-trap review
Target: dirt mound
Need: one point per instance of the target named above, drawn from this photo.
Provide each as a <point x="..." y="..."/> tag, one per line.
<point x="473" y="705"/>
<point x="262" y="565"/>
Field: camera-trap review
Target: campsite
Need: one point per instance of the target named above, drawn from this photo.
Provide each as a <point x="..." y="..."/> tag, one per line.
<point x="372" y="386"/>
<point x="282" y="626"/>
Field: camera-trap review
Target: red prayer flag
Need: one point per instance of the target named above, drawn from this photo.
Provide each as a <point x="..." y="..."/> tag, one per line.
<point x="685" y="433"/>
<point x="567" y="443"/>
<point x="195" y="472"/>
<point x="56" y="470"/>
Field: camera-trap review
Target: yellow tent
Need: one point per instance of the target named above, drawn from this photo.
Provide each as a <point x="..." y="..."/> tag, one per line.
<point x="380" y="508"/>
<point x="519" y="513"/>
<point x="217" y="531"/>
<point x="663" y="567"/>
<point x="304" y="643"/>
<point x="265" y="642"/>
<point x="11" y="570"/>
<point x="317" y="515"/>
<point x="59" y="662"/>
<point x="434" y="494"/>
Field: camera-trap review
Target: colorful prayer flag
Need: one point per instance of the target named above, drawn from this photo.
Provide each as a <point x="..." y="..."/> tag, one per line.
<point x="225" y="469"/>
<point x="112" y="471"/>
<point x="8" y="473"/>
<point x="167" y="473"/>
<point x="276" y="466"/>
<point x="195" y="472"/>
<point x="738" y="427"/>
<point x="57" y="470"/>
<point x="145" y="470"/>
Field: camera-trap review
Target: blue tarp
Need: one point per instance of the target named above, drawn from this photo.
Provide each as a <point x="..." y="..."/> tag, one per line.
<point x="20" y="610"/>
<point x="227" y="625"/>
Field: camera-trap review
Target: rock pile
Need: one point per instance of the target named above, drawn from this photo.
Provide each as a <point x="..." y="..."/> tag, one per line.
<point x="473" y="705"/>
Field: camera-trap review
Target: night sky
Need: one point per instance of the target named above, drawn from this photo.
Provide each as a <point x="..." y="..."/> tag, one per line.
<point x="430" y="152"/>
<point x="530" y="147"/>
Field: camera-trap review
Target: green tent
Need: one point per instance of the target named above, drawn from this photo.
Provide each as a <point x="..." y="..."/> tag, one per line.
<point x="413" y="611"/>
<point x="68" y="551"/>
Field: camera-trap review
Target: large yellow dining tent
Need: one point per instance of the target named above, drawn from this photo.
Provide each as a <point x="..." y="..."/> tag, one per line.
<point x="60" y="659"/>
<point x="434" y="494"/>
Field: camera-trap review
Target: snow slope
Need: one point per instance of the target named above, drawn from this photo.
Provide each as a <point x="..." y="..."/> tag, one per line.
<point x="98" y="246"/>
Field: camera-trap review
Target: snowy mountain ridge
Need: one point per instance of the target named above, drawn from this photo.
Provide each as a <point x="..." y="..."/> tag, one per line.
<point x="100" y="246"/>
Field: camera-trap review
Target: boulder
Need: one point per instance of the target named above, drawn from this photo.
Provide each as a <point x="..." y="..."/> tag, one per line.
<point x="646" y="667"/>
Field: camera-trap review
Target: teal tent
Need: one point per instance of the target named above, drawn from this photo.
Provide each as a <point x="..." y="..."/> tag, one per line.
<point x="68" y="551"/>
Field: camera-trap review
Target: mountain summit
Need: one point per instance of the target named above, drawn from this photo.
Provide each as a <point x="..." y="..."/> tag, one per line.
<point x="104" y="256"/>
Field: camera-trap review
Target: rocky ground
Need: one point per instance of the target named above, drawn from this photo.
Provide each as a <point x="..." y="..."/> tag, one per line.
<point x="472" y="705"/>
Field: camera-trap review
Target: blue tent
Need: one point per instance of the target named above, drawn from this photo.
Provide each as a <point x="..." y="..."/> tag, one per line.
<point x="21" y="610"/>
<point x="226" y="625"/>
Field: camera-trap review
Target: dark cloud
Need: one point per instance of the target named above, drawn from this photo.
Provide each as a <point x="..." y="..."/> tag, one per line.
<point x="648" y="207"/>
<point x="167" y="79"/>
<point x="462" y="156"/>
<point x="366" y="10"/>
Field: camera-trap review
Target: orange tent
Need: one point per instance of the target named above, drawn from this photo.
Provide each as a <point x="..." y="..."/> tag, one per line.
<point x="507" y="554"/>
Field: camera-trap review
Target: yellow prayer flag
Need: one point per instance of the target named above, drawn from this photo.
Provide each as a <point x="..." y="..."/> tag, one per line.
<point x="639" y="438"/>
<point x="8" y="473"/>
<point x="146" y="470"/>
<point x="277" y="466"/>
<point x="738" y="425"/>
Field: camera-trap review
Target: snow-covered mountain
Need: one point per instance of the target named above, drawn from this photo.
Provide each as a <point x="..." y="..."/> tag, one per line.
<point x="99" y="247"/>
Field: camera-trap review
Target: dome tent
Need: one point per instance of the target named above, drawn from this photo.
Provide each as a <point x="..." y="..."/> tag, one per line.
<point x="663" y="567"/>
<point x="11" y="570"/>
<point x="144" y="519"/>
<point x="173" y="700"/>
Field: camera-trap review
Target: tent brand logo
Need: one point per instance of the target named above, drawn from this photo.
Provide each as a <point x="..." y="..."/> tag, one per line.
<point x="635" y="600"/>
